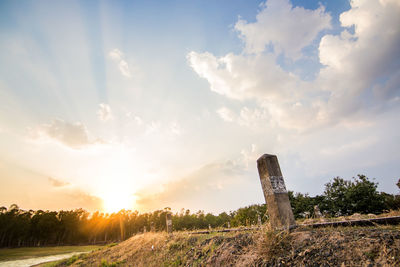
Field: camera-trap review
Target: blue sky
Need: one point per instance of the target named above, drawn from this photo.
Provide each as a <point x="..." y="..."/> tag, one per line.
<point x="147" y="104"/>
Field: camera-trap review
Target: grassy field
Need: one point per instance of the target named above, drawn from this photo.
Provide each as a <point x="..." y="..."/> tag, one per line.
<point x="339" y="246"/>
<point x="7" y="254"/>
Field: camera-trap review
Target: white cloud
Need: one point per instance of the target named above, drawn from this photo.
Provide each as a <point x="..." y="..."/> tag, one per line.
<point x="288" y="29"/>
<point x="74" y="135"/>
<point x="358" y="59"/>
<point x="138" y="120"/>
<point x="226" y="114"/>
<point x="175" y="128"/>
<point x="104" y="112"/>
<point x="361" y="69"/>
<point x="246" y="76"/>
<point x="282" y="96"/>
<point x="253" y="118"/>
<point x="123" y="66"/>
<point x="249" y="156"/>
<point x="153" y="127"/>
<point x="164" y="130"/>
<point x="115" y="54"/>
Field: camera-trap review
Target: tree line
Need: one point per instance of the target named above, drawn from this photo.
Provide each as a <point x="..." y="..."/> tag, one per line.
<point x="40" y="228"/>
<point x="345" y="197"/>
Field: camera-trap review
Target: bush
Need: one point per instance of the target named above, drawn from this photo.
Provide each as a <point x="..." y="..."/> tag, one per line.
<point x="344" y="197"/>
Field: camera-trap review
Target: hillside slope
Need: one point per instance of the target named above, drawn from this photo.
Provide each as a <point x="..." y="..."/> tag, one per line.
<point x="379" y="246"/>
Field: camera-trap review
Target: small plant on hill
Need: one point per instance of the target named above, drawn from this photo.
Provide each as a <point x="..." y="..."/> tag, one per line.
<point x="105" y="263"/>
<point x="273" y="243"/>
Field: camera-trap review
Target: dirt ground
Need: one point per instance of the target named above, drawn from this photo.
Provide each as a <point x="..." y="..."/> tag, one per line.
<point x="343" y="246"/>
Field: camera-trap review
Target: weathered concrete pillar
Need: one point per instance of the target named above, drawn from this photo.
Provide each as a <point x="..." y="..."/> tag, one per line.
<point x="168" y="219"/>
<point x="275" y="194"/>
<point x="317" y="212"/>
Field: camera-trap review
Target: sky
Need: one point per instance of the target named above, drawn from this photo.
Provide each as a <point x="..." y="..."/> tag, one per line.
<point x="143" y="105"/>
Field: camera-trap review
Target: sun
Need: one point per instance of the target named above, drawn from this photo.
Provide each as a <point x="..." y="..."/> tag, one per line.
<point x="117" y="178"/>
<point x="115" y="201"/>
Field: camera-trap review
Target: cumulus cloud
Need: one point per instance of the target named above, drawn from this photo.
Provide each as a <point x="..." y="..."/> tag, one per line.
<point x="246" y="76"/>
<point x="117" y="56"/>
<point x="74" y="135"/>
<point x="288" y="29"/>
<point x="356" y="62"/>
<point x="104" y="112"/>
<point x="253" y="118"/>
<point x="360" y="68"/>
<point x="137" y="119"/>
<point x="226" y="114"/>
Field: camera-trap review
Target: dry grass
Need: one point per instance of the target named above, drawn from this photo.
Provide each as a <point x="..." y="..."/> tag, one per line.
<point x="351" y="246"/>
<point x="271" y="243"/>
<point x="161" y="249"/>
<point x="355" y="216"/>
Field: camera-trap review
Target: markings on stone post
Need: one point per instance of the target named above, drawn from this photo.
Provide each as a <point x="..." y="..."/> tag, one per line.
<point x="168" y="222"/>
<point x="275" y="185"/>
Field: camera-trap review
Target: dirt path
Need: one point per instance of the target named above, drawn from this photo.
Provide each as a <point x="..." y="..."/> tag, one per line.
<point x="37" y="260"/>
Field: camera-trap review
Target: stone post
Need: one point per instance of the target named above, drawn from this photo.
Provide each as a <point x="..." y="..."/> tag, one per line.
<point x="168" y="222"/>
<point x="317" y="212"/>
<point x="259" y="220"/>
<point x="275" y="194"/>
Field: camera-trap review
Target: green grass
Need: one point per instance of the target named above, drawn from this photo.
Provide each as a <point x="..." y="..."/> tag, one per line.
<point x="67" y="262"/>
<point x="7" y="254"/>
<point x="63" y="262"/>
<point x="105" y="263"/>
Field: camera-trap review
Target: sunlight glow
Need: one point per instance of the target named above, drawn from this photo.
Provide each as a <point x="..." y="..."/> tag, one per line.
<point x="115" y="201"/>
<point x="117" y="180"/>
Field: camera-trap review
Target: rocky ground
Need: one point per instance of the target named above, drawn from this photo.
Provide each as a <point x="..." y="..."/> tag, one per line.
<point x="346" y="246"/>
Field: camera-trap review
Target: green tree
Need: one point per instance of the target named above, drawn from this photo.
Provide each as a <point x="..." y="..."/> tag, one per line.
<point x="344" y="197"/>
